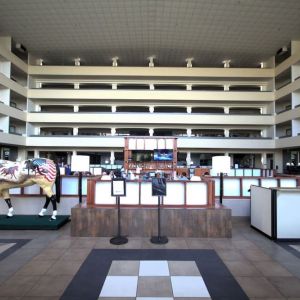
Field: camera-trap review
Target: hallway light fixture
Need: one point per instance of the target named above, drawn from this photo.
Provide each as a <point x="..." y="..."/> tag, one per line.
<point x="21" y="48"/>
<point x="189" y="62"/>
<point x="77" y="61"/>
<point x="115" y="61"/>
<point x="226" y="63"/>
<point x="151" y="61"/>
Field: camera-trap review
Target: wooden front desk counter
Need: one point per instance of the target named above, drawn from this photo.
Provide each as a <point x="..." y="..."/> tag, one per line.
<point x="188" y="210"/>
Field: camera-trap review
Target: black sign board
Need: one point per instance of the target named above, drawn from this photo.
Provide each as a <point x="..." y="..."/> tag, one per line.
<point x="159" y="187"/>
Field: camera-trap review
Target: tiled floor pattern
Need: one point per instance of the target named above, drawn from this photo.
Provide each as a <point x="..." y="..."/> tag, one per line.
<point x="163" y="279"/>
<point x="43" y="268"/>
<point x="8" y="246"/>
<point x="292" y="247"/>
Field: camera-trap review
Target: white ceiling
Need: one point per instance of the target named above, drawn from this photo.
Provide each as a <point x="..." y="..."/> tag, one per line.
<point x="245" y="31"/>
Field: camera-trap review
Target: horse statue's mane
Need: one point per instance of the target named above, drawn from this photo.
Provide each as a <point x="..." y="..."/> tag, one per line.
<point x="41" y="171"/>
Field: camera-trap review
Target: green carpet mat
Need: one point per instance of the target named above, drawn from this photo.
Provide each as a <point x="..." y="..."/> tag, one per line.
<point x="32" y="222"/>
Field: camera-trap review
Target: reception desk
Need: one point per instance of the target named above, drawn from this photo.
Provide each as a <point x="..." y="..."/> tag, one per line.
<point x="275" y="212"/>
<point x="188" y="210"/>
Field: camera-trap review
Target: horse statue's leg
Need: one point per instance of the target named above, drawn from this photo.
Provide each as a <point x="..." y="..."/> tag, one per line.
<point x="6" y="198"/>
<point x="50" y="197"/>
<point x="44" y="209"/>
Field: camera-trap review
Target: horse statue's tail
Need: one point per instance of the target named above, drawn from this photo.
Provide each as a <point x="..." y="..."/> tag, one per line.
<point x="57" y="183"/>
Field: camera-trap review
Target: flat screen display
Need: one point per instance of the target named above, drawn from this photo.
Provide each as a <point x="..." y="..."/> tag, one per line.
<point x="163" y="155"/>
<point x="140" y="155"/>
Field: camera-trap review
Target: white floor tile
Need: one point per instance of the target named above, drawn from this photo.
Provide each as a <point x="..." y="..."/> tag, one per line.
<point x="189" y="286"/>
<point x="154" y="268"/>
<point x="119" y="286"/>
<point x="296" y="247"/>
<point x="4" y="246"/>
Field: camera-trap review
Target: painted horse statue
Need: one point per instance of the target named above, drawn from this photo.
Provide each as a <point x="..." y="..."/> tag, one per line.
<point x="41" y="171"/>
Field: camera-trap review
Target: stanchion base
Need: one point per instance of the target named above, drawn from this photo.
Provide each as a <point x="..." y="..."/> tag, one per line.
<point x="159" y="240"/>
<point x="119" y="240"/>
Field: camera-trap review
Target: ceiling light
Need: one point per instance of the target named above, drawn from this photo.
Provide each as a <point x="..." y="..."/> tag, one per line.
<point x="115" y="61"/>
<point x="282" y="50"/>
<point x="40" y="61"/>
<point x="189" y="62"/>
<point x="226" y="63"/>
<point x="263" y="65"/>
<point x="151" y="61"/>
<point x="21" y="48"/>
<point x="77" y="61"/>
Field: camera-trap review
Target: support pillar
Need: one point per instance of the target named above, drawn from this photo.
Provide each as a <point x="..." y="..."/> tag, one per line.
<point x="264" y="160"/>
<point x="189" y="132"/>
<point x="36" y="153"/>
<point x="226" y="133"/>
<point x="112" y="157"/>
<point x="226" y="110"/>
<point x="188" y="159"/>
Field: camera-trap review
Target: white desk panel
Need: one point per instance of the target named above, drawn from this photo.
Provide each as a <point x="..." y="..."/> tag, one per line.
<point x="248" y="172"/>
<point x="132" y="194"/>
<point x="69" y="186"/>
<point x="196" y="193"/>
<point x="261" y="209"/>
<point x="256" y="172"/>
<point x="231" y="187"/>
<point x="175" y="193"/>
<point x="217" y="186"/>
<point x="103" y="193"/>
<point x="146" y="194"/>
<point x="15" y="191"/>
<point x="32" y="190"/>
<point x="288" y="208"/>
<point x="288" y="182"/>
<point x="269" y="182"/>
<point x="239" y="172"/>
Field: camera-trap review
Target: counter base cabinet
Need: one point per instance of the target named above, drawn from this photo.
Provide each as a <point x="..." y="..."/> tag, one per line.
<point x="142" y="222"/>
<point x="275" y="212"/>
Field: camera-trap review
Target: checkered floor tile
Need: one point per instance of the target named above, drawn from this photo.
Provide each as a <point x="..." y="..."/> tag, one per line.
<point x="154" y="279"/>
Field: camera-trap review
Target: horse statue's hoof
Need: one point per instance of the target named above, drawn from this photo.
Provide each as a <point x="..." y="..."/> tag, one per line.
<point x="41" y="213"/>
<point x="10" y="213"/>
<point x="53" y="217"/>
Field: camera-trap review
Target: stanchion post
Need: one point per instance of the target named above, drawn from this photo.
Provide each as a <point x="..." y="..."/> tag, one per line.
<point x="221" y="187"/>
<point x="118" y="189"/>
<point x="159" y="239"/>
<point x="80" y="186"/>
